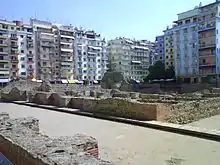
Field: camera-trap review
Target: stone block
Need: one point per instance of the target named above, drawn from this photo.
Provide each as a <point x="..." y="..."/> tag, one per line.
<point x="134" y="95"/>
<point x="149" y="96"/>
<point x="76" y="103"/>
<point x="58" y="100"/>
<point x="41" y="98"/>
<point x="23" y="145"/>
<point x="121" y="95"/>
<point x="14" y="95"/>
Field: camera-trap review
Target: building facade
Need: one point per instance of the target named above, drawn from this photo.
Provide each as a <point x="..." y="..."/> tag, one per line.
<point x="169" y="48"/>
<point x="186" y="46"/>
<point x="66" y="56"/>
<point x="209" y="28"/>
<point x="159" y="49"/>
<point x="91" y="59"/>
<point x="130" y="57"/>
<point x="16" y="50"/>
<point x="46" y="51"/>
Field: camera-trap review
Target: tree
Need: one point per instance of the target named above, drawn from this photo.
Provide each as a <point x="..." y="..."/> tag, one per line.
<point x="158" y="71"/>
<point x="170" y="73"/>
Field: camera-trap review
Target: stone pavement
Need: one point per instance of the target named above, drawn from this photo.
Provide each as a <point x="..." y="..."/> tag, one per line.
<point x="125" y="144"/>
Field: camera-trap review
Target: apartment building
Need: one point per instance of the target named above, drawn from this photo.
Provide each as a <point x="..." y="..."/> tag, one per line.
<point x="185" y="34"/>
<point x="159" y="49"/>
<point x="130" y="57"/>
<point x="47" y="52"/>
<point x="168" y="47"/>
<point x="66" y="51"/>
<point x="91" y="59"/>
<point x="209" y="46"/>
<point x="16" y="45"/>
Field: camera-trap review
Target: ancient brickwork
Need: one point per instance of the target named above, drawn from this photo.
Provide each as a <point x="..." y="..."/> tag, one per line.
<point x="22" y="144"/>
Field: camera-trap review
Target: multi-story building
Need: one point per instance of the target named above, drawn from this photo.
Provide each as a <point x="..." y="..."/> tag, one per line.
<point x="159" y="49"/>
<point x="129" y="57"/>
<point x="168" y="47"/>
<point x="91" y="58"/>
<point x="46" y="50"/>
<point x="16" y="40"/>
<point x="209" y="45"/>
<point x="186" y="46"/>
<point x="66" y="51"/>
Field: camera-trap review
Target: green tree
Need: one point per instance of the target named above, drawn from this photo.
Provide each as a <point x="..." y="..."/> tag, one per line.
<point x="158" y="71"/>
<point x="170" y="73"/>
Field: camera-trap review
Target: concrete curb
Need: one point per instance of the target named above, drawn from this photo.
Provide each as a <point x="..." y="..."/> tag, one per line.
<point x="172" y="128"/>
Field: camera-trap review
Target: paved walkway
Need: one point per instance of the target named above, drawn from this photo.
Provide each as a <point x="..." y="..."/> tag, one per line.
<point x="209" y="123"/>
<point x="125" y="144"/>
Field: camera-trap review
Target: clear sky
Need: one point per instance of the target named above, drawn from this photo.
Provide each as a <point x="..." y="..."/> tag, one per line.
<point x="140" y="19"/>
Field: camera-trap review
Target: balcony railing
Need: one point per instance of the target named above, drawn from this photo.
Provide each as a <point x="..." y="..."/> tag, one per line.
<point x="206" y="46"/>
<point x="206" y="64"/>
<point x="206" y="55"/>
<point x="207" y="27"/>
<point x="14" y="38"/>
<point x="30" y="55"/>
<point x="30" y="62"/>
<point x="14" y="60"/>
<point x="45" y="44"/>
<point x="14" y="45"/>
<point x="4" y="61"/>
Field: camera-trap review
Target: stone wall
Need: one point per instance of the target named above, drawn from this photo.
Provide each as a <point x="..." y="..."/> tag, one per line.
<point x="121" y="108"/>
<point x="14" y="94"/>
<point x="22" y="144"/>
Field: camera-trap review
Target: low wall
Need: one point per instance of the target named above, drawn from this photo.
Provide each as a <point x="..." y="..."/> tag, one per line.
<point x="22" y="144"/>
<point x="120" y="108"/>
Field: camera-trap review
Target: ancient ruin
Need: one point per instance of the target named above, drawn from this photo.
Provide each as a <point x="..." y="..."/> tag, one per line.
<point x="23" y="144"/>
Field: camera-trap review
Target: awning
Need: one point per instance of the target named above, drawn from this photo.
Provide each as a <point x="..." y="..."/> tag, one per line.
<point x="95" y="81"/>
<point x="64" y="81"/>
<point x="33" y="79"/>
<point x="72" y="81"/>
<point x="4" y="80"/>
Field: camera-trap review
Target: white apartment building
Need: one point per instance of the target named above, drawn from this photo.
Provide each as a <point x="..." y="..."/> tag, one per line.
<point x="130" y="57"/>
<point x="91" y="58"/>
<point x="16" y="50"/>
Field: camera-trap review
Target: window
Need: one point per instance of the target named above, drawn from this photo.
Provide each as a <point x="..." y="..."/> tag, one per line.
<point x="22" y="66"/>
<point x="21" y="36"/>
<point x="23" y="73"/>
<point x="12" y="28"/>
<point x="22" y="43"/>
<point x="22" y="51"/>
<point x="22" y="58"/>
<point x="44" y="63"/>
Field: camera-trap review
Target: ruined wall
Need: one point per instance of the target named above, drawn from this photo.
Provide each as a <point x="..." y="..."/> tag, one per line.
<point x="22" y="144"/>
<point x="120" y="107"/>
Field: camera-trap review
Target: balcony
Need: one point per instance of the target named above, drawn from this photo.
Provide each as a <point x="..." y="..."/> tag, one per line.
<point x="15" y="69"/>
<point x="3" y="44"/>
<point x="67" y="50"/>
<point x="14" y="38"/>
<point x="3" y="36"/>
<point x="47" y="44"/>
<point x="207" y="46"/>
<point x="206" y="55"/>
<point x="206" y="64"/>
<point x="30" y="46"/>
<point x="206" y="27"/>
<point x="30" y="62"/>
<point x="14" y="46"/>
<point x="30" y="55"/>
<point x="14" y="60"/>
<point x="4" y="61"/>
<point x="30" y="69"/>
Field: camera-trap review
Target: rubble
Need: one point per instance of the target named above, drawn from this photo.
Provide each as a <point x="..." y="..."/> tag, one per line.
<point x="22" y="142"/>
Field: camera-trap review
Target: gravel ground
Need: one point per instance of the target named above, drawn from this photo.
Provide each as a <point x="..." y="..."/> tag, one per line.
<point x="125" y="144"/>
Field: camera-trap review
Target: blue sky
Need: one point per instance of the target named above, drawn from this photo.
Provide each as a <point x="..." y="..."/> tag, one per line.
<point x="140" y="19"/>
